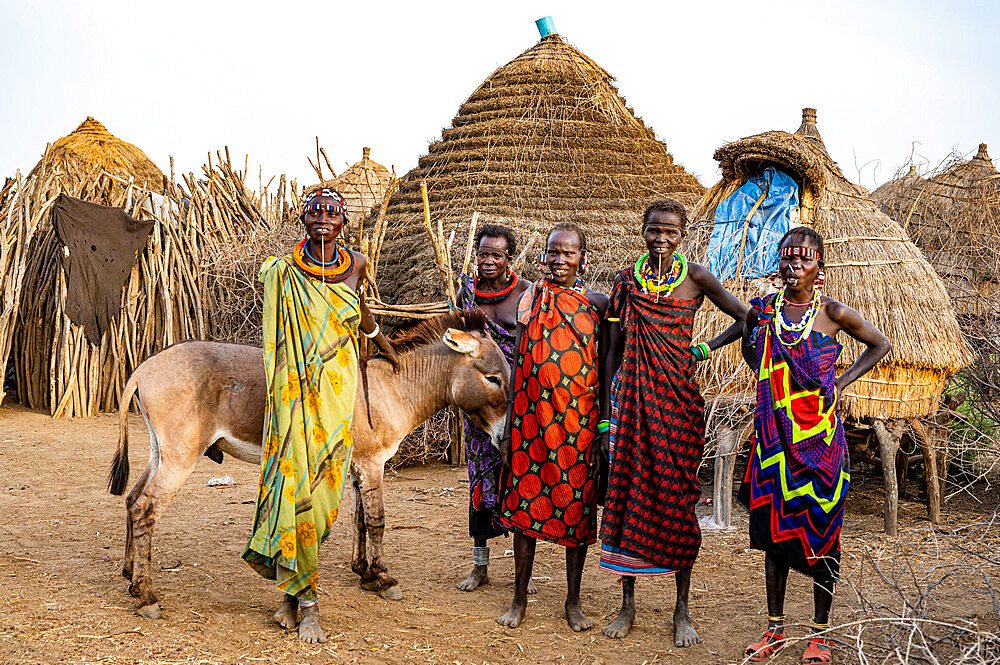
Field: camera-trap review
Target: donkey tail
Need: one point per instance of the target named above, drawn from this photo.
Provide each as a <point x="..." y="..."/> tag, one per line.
<point x="118" y="477"/>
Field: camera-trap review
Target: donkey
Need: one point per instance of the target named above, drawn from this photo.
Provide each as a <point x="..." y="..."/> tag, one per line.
<point x="208" y="398"/>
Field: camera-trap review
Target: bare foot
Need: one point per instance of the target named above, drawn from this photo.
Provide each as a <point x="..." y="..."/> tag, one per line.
<point x="477" y="578"/>
<point x="684" y="633"/>
<point x="309" y="628"/>
<point x="287" y="615"/>
<point x="619" y="628"/>
<point x="575" y="618"/>
<point x="513" y="617"/>
<point x="532" y="589"/>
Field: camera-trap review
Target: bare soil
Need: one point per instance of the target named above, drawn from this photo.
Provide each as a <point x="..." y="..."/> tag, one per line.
<point x="63" y="600"/>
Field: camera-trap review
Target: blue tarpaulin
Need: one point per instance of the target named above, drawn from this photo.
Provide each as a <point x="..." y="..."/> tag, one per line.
<point x="761" y="211"/>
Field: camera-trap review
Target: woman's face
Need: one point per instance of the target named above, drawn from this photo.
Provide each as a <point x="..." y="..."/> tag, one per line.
<point x="563" y="257"/>
<point x="798" y="271"/>
<point x="492" y="258"/>
<point x="323" y="225"/>
<point x="663" y="233"/>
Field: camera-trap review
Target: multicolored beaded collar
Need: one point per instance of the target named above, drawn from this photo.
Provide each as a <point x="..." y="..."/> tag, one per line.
<point x="651" y="282"/>
<point x="341" y="269"/>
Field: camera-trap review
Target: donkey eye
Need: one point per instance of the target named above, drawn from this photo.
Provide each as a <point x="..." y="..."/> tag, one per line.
<point x="495" y="380"/>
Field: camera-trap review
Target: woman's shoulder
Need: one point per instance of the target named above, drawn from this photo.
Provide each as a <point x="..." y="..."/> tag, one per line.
<point x="599" y="300"/>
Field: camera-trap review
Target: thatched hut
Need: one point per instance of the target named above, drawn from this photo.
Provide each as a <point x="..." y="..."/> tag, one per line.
<point x="90" y="149"/>
<point x="546" y="138"/>
<point x="61" y="362"/>
<point x="870" y="264"/>
<point x="953" y="215"/>
<point x="362" y="185"/>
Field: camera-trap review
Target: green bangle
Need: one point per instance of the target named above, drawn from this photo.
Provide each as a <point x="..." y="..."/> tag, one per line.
<point x="603" y="426"/>
<point x="701" y="351"/>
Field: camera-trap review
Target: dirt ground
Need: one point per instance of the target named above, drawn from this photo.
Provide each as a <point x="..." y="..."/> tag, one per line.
<point x="61" y="538"/>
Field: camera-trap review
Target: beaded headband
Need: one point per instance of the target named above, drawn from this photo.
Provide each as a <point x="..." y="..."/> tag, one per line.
<point x="338" y="206"/>
<point x="804" y="252"/>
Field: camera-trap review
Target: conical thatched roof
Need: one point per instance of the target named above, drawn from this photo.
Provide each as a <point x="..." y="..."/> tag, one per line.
<point x="91" y="148"/>
<point x="362" y="185"/>
<point x="545" y="138"/>
<point x="871" y="266"/>
<point x="953" y="215"/>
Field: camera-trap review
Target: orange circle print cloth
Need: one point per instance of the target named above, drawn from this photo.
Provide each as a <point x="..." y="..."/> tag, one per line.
<point x="551" y="491"/>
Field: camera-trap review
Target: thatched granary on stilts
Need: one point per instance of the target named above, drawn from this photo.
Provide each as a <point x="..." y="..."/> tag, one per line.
<point x="546" y="138"/>
<point x="872" y="266"/>
<point x="953" y="215"/>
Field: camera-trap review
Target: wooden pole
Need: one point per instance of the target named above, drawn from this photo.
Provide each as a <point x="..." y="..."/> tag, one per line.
<point x="469" y="243"/>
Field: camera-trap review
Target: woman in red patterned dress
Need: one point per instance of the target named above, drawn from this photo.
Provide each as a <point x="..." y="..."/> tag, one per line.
<point x="552" y="418"/>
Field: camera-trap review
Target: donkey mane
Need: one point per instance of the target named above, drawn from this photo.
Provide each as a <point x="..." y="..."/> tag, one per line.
<point x="429" y="331"/>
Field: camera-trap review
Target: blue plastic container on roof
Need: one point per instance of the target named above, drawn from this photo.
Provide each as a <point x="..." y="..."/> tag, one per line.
<point x="545" y="26"/>
<point x="749" y="225"/>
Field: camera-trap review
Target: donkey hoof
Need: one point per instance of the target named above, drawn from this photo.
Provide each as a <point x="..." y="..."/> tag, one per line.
<point x="150" y="611"/>
<point x="392" y="593"/>
<point x="370" y="585"/>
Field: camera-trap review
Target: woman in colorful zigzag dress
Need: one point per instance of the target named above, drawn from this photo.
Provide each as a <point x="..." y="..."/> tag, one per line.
<point x="799" y="472"/>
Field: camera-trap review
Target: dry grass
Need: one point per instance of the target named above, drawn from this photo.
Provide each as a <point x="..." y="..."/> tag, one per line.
<point x="545" y="138"/>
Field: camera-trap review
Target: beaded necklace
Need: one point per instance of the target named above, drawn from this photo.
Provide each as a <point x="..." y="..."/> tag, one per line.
<point x="579" y="286"/>
<point x="342" y="268"/>
<point x="488" y="298"/>
<point x="791" y="333"/>
<point x="651" y="282"/>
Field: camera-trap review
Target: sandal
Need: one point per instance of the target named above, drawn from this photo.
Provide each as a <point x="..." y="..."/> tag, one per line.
<point x="818" y="652"/>
<point x="767" y="647"/>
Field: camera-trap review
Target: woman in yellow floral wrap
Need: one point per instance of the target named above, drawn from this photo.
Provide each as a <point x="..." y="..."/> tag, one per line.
<point x="313" y="311"/>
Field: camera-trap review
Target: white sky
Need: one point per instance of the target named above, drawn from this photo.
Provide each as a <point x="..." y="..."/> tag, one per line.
<point x="184" y="78"/>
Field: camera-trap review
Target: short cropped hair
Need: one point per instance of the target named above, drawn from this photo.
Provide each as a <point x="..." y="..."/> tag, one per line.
<point x="497" y="231"/>
<point x="571" y="227"/>
<point x="805" y="232"/>
<point x="666" y="206"/>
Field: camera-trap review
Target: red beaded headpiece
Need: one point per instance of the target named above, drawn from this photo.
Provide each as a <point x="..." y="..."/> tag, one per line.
<point x="804" y="252"/>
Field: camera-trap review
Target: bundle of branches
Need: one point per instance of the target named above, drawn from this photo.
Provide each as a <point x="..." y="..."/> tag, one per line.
<point x="927" y="597"/>
<point x="17" y="226"/>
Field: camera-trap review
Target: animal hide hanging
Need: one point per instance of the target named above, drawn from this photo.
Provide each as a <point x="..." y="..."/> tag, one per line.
<point x="103" y="245"/>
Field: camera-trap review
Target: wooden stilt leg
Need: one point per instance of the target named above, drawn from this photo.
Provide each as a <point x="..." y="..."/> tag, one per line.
<point x="888" y="447"/>
<point x="931" y="470"/>
<point x="725" y="463"/>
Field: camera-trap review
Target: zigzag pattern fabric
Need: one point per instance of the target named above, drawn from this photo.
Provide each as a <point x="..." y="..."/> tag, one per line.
<point x="653" y="483"/>
<point x="799" y="472"/>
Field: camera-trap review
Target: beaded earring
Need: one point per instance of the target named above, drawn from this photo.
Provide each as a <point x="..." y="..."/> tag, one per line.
<point x="820" y="278"/>
<point x="775" y="279"/>
<point x="541" y="259"/>
<point x="585" y="264"/>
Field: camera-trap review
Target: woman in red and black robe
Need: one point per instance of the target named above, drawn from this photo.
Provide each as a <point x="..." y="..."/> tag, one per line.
<point x="554" y="406"/>
<point x="649" y="525"/>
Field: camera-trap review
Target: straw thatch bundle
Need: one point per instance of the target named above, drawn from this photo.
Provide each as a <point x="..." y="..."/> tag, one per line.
<point x="363" y="186"/>
<point x="545" y="138"/>
<point x="953" y="215"/>
<point x="871" y="266"/>
<point x="91" y="147"/>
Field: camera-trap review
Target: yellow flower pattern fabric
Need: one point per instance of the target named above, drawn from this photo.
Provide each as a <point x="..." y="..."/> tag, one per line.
<point x="311" y="366"/>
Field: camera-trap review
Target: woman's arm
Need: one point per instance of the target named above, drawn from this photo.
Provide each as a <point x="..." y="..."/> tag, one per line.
<point x="614" y="345"/>
<point x="505" y="450"/>
<point x="724" y="300"/>
<point x="367" y="324"/>
<point x="864" y="331"/>
<point x="752" y="320"/>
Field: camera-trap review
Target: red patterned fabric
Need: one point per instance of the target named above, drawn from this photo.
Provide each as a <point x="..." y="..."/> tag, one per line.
<point x="653" y="484"/>
<point x="552" y="492"/>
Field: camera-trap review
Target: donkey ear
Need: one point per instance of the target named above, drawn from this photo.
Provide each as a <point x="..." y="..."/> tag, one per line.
<point x="462" y="342"/>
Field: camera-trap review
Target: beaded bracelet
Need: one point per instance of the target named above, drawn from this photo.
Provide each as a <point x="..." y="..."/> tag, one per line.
<point x="603" y="426"/>
<point x="701" y="351"/>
